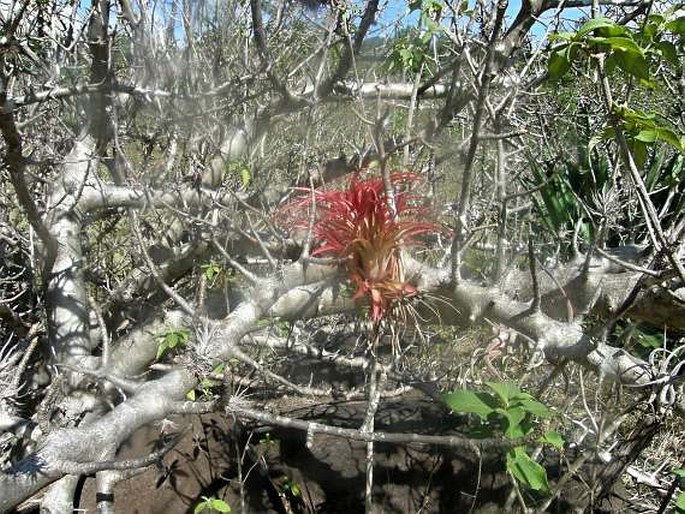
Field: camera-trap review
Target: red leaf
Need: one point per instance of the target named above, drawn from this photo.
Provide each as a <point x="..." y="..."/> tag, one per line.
<point x="358" y="225"/>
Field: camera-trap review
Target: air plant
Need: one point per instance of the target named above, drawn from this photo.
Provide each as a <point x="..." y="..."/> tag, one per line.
<point x="366" y="229"/>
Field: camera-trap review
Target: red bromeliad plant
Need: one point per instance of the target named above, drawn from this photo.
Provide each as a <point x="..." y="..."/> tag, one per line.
<point x="359" y="225"/>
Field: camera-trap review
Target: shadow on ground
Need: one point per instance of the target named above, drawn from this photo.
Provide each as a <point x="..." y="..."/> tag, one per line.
<point x="269" y="470"/>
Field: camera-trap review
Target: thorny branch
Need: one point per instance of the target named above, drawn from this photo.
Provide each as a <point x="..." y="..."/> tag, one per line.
<point x="190" y="214"/>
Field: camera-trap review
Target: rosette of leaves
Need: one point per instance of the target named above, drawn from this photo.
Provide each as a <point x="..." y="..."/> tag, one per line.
<point x="361" y="226"/>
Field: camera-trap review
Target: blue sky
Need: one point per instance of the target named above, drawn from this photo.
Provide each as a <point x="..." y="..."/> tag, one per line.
<point x="395" y="14"/>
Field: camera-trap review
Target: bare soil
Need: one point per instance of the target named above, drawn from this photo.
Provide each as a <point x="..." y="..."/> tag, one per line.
<point x="279" y="473"/>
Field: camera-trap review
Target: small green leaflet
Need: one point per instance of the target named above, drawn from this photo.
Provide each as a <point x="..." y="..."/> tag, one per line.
<point x="505" y="390"/>
<point x="559" y="63"/>
<point x="514" y="418"/>
<point x="554" y="438"/>
<point x="531" y="405"/>
<point x="171" y="339"/>
<point x="212" y="504"/>
<point x="647" y="135"/>
<point x="680" y="500"/>
<point x="680" y="503"/>
<point x="245" y="176"/>
<point x="668" y="52"/>
<point x="526" y="470"/>
<point x="470" y="402"/>
<point x="211" y="270"/>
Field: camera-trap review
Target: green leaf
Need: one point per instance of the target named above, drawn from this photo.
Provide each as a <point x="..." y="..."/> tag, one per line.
<point x="191" y="395"/>
<point x="470" y="402"/>
<point x="613" y="31"/>
<point x="219" y="505"/>
<point x="595" y="24"/>
<point x="654" y="172"/>
<point x="647" y="135"/>
<point x="638" y="121"/>
<point x="559" y="63"/>
<point x="668" y="52"/>
<point x="624" y="44"/>
<point x="532" y="406"/>
<point x="505" y="390"/>
<point x="680" y="503"/>
<point x="211" y="270"/>
<point x="245" y="176"/>
<point x="677" y="26"/>
<point x="212" y="504"/>
<point x="639" y="151"/>
<point x="669" y="136"/>
<point x="680" y="472"/>
<point x="638" y="117"/>
<point x="626" y="54"/>
<point x="554" y="438"/>
<point x="514" y="418"/>
<point x="633" y="63"/>
<point x="432" y="27"/>
<point x="611" y="62"/>
<point x="290" y="487"/>
<point x="559" y="203"/>
<point x="526" y="470"/>
<point x="172" y="339"/>
<point x="656" y="19"/>
<point x="161" y="348"/>
<point x="650" y="30"/>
